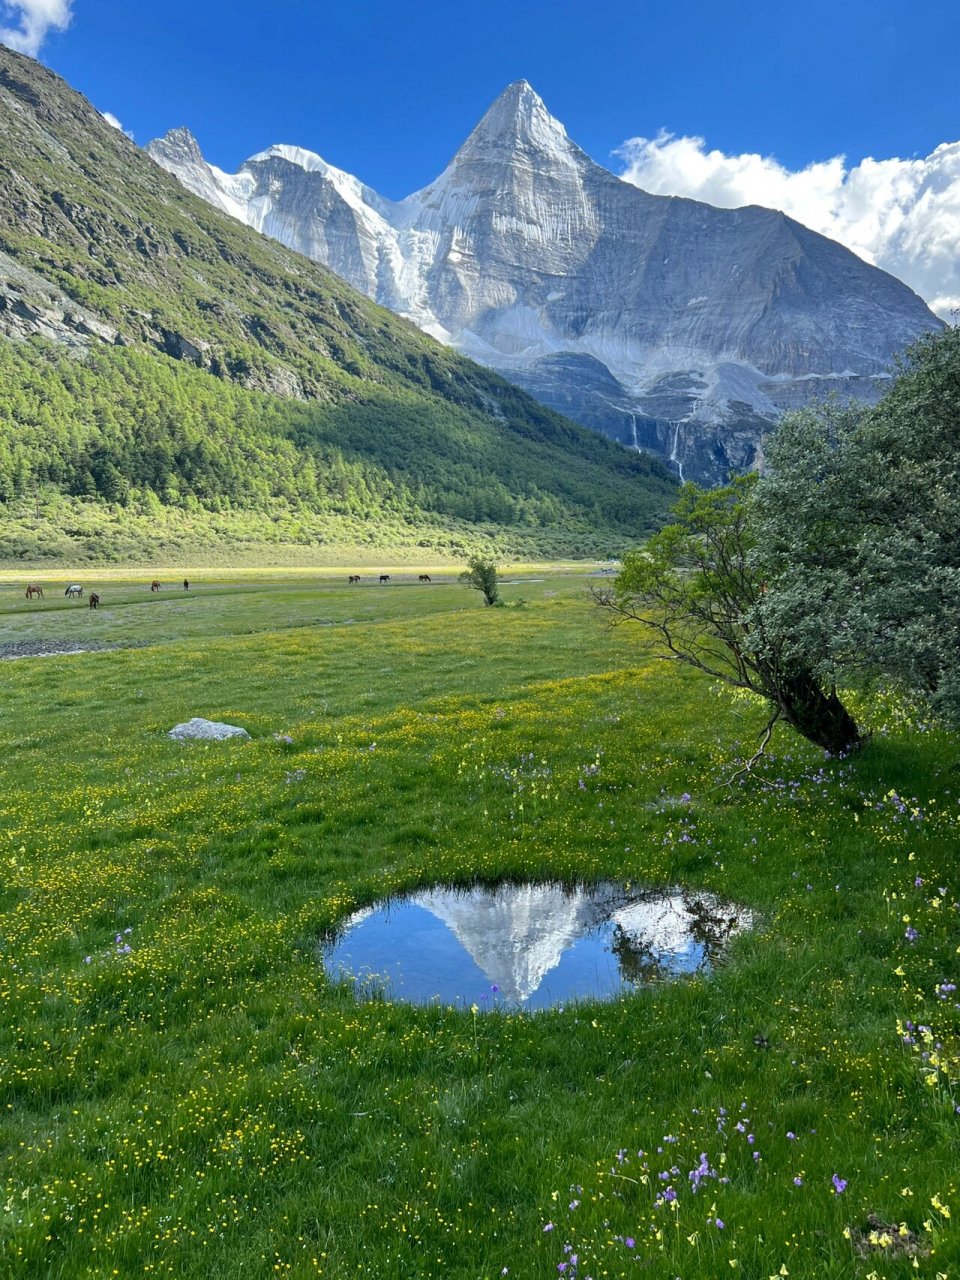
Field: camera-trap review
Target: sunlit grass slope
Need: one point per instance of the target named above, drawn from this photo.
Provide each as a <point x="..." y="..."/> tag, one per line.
<point x="183" y="1094"/>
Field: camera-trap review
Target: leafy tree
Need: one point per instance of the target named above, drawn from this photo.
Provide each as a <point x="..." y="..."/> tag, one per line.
<point x="857" y="529"/>
<point x="482" y="576"/>
<point x="695" y="589"/>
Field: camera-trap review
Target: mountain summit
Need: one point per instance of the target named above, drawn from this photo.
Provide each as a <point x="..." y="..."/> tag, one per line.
<point x="665" y="323"/>
<point x="517" y="119"/>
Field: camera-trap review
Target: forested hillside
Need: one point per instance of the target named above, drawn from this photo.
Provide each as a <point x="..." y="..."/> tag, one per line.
<point x="125" y="428"/>
<point x="154" y="350"/>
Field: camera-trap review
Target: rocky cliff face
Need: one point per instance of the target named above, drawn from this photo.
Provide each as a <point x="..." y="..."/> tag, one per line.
<point x="665" y="323"/>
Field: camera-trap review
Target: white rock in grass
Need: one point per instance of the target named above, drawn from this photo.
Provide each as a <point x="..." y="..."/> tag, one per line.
<point x="211" y="730"/>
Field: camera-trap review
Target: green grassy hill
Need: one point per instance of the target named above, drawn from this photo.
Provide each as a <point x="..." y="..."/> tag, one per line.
<point x="155" y="352"/>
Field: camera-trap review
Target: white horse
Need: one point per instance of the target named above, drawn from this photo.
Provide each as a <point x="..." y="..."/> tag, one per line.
<point x="74" y="590"/>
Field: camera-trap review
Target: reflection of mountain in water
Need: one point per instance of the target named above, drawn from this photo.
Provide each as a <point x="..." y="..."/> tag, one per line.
<point x="518" y="933"/>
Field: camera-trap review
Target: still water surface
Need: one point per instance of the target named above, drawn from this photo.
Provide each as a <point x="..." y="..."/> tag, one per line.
<point x="530" y="946"/>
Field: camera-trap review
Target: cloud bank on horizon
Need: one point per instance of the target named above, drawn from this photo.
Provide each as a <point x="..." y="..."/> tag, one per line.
<point x="901" y="215"/>
<point x="35" y="19"/>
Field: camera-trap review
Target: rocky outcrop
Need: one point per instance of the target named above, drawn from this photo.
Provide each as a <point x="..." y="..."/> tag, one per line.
<point x="206" y="730"/>
<point x="30" y="306"/>
<point x="665" y="323"/>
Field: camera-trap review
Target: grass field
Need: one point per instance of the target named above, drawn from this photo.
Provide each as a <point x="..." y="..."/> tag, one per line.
<point x="183" y="1094"/>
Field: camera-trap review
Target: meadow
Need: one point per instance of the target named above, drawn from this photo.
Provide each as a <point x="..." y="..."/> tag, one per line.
<point x="183" y="1093"/>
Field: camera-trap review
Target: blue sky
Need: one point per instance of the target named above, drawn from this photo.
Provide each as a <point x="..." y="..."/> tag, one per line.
<point x="388" y="89"/>
<point x="763" y="99"/>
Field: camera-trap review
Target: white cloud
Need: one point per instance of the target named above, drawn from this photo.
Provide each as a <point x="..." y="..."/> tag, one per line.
<point x="35" y="19"/>
<point x="111" y="119"/>
<point x="902" y="215"/>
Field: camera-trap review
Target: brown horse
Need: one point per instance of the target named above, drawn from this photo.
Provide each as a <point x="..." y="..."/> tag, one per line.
<point x="354" y="577"/>
<point x="34" y="590"/>
<point x="94" y="600"/>
<point x="154" y="585"/>
<point x="424" y="577"/>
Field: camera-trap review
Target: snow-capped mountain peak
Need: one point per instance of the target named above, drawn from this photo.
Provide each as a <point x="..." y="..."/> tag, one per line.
<point x="351" y="189"/>
<point x="309" y="161"/>
<point x="518" y="118"/>
<point x="667" y="324"/>
<point x="182" y="143"/>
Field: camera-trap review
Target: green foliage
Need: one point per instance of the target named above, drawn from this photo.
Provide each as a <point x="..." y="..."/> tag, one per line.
<point x="856" y="529"/>
<point x="695" y="589"/>
<point x="482" y="576"/>
<point x="130" y="431"/>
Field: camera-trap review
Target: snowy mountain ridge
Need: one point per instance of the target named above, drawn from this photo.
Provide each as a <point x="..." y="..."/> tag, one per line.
<point x="665" y="323"/>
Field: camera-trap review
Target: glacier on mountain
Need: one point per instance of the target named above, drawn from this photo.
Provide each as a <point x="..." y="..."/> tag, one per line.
<point x="665" y="323"/>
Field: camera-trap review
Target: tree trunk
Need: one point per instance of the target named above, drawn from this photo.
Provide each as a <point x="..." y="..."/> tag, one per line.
<point x="820" y="717"/>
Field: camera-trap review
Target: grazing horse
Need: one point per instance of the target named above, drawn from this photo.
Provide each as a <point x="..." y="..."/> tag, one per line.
<point x="354" y="577"/>
<point x="424" y="577"/>
<point x="154" y="585"/>
<point x="73" y="590"/>
<point x="34" y="590"/>
<point x="384" y="577"/>
<point x="186" y="585"/>
<point x="94" y="600"/>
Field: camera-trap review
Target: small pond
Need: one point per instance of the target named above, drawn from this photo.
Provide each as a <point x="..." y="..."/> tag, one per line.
<point x="528" y="946"/>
